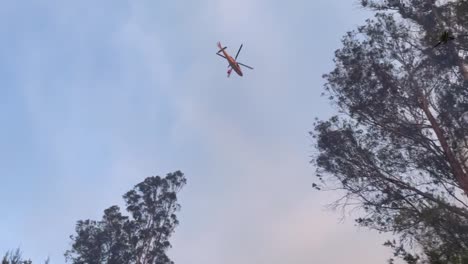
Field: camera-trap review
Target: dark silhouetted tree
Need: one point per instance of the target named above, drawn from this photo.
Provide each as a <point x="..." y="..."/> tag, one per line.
<point x="398" y="149"/>
<point x="142" y="237"/>
<point x="15" y="257"/>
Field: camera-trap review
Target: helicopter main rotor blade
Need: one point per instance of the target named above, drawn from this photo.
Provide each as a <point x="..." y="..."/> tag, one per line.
<point x="245" y="65"/>
<point x="220" y="55"/>
<point x="238" y="51"/>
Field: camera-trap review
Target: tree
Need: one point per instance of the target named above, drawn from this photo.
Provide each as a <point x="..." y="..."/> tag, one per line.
<point x="142" y="237"/>
<point x="16" y="257"/>
<point x="398" y="148"/>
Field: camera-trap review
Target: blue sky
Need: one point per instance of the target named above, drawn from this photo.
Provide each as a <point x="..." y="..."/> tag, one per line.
<point x="98" y="95"/>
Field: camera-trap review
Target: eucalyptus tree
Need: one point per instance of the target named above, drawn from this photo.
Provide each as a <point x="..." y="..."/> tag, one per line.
<point x="397" y="147"/>
<point x="140" y="238"/>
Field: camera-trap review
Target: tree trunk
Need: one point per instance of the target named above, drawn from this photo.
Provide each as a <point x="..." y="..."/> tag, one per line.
<point x="455" y="165"/>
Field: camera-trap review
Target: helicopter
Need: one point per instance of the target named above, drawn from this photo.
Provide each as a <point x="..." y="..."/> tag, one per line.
<point x="233" y="64"/>
<point x="444" y="38"/>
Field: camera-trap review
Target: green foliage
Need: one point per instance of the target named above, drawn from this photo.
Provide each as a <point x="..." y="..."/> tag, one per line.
<point x="15" y="257"/>
<point x="141" y="238"/>
<point x="398" y="149"/>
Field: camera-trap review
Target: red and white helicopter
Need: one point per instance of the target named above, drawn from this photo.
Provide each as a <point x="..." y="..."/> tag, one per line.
<point x="233" y="64"/>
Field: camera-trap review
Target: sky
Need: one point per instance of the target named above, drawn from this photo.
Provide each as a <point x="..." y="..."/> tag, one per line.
<point x="97" y="95"/>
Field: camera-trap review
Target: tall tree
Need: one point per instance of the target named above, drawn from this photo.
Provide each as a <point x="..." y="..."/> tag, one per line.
<point x="142" y="237"/>
<point x="398" y="147"/>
